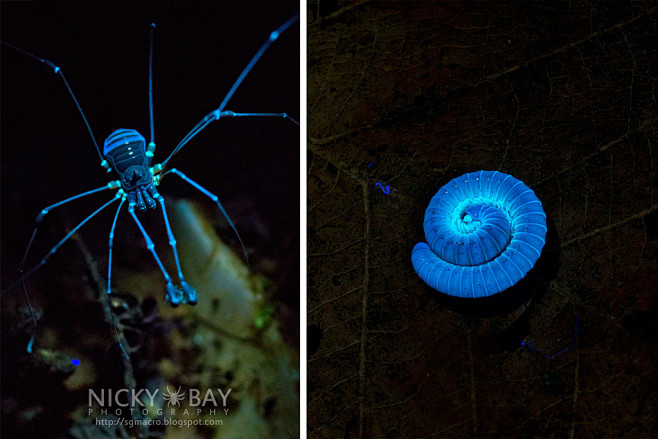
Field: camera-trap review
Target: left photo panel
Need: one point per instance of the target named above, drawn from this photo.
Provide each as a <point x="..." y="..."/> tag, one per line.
<point x="150" y="219"/>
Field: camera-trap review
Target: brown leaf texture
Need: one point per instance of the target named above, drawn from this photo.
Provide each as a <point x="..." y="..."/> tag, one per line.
<point x="413" y="94"/>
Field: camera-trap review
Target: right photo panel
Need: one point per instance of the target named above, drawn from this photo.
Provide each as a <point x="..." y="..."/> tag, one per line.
<point x="482" y="219"/>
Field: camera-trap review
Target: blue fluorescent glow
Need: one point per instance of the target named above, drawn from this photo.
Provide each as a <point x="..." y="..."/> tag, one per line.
<point x="205" y="121"/>
<point x="122" y="136"/>
<point x="530" y="345"/>
<point x="386" y="189"/>
<point x="484" y="230"/>
<point x="75" y="362"/>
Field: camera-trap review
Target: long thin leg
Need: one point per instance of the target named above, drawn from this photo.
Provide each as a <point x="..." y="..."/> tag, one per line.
<point x="26" y="274"/>
<point x="151" y="81"/>
<point x="151" y="146"/>
<point x="189" y="292"/>
<point x="215" y="114"/>
<point x="109" y="275"/>
<point x="273" y="36"/>
<point x="46" y="210"/>
<point x="58" y="71"/>
<point x="48" y="255"/>
<point x="34" y="318"/>
<point x="233" y="114"/>
<point x="109" y="265"/>
<point x="174" y="296"/>
<point x="214" y="198"/>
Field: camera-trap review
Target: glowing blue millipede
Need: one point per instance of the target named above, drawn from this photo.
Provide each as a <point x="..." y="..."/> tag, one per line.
<point x="485" y="232"/>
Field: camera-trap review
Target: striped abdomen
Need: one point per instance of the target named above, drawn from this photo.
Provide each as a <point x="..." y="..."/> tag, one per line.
<point x="125" y="151"/>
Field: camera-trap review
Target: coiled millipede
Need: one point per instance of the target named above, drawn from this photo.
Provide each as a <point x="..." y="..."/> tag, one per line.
<point x="485" y="231"/>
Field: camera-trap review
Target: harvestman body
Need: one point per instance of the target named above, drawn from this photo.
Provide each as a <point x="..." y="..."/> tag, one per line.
<point x="125" y="151"/>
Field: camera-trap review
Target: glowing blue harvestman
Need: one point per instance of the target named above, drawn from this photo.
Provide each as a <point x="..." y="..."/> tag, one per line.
<point x="126" y="152"/>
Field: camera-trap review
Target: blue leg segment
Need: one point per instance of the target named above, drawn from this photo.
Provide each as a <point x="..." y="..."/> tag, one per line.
<point x="273" y="36"/>
<point x="34" y="318"/>
<point x="46" y="210"/>
<point x="214" y="198"/>
<point x="22" y="274"/>
<point x="45" y="259"/>
<point x="152" y="142"/>
<point x="215" y="115"/>
<point x="58" y="71"/>
<point x="109" y="275"/>
<point x="189" y="293"/>
<point x="109" y="267"/>
<point x="68" y="235"/>
<point x="234" y="114"/>
<point x="173" y="296"/>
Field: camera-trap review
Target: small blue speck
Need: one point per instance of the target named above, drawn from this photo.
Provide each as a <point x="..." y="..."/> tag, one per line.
<point x="386" y="189"/>
<point x="75" y="362"/>
<point x="274" y="35"/>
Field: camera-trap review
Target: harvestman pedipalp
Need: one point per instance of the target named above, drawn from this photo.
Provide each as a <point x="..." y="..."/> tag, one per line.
<point x="125" y="151"/>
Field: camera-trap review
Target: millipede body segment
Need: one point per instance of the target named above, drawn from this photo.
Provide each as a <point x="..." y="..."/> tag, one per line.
<point x="485" y="231"/>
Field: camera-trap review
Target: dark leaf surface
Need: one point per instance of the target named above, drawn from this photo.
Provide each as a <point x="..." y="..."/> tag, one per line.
<point x="413" y="94"/>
